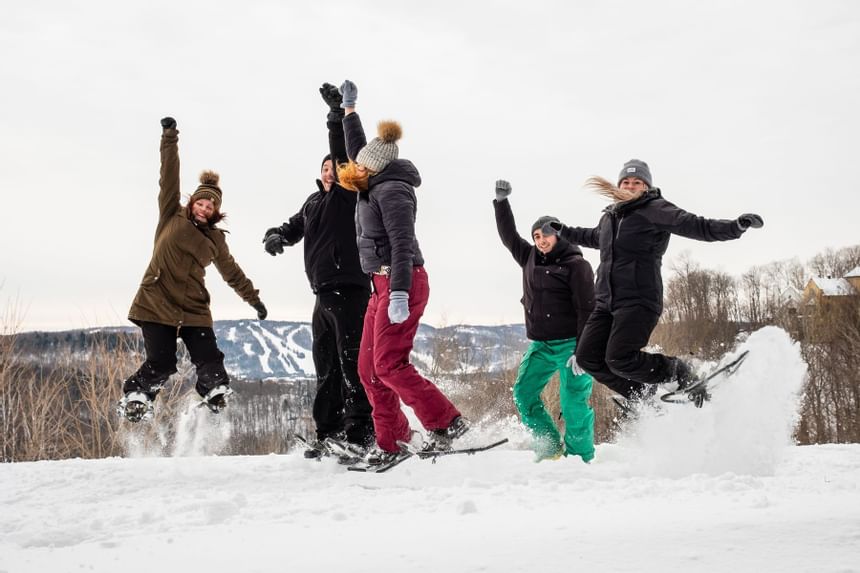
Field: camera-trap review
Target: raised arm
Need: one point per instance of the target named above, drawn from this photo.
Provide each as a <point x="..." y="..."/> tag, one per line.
<point x="168" y="195"/>
<point x="506" y="226"/>
<point x="353" y="131"/>
<point x="334" y="122"/>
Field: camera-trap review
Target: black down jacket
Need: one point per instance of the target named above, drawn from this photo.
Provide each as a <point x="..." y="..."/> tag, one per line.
<point x="558" y="287"/>
<point x="632" y="237"/>
<point x="385" y="218"/>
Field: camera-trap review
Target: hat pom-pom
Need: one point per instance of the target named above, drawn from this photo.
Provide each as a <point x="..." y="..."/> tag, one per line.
<point x="389" y="131"/>
<point x="209" y="178"/>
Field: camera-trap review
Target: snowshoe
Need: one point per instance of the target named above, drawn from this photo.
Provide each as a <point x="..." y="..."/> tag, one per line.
<point x="379" y="460"/>
<point x="216" y="398"/>
<point x="697" y="390"/>
<point x="135" y="406"/>
<point x="346" y="453"/>
<point x="441" y="440"/>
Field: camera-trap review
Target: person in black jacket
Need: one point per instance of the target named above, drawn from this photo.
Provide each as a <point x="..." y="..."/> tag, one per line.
<point x="558" y="297"/>
<point x="389" y="251"/>
<point x="326" y="223"/>
<point x="632" y="236"/>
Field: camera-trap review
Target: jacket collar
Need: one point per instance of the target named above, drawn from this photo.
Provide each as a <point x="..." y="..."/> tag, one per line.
<point x="627" y="206"/>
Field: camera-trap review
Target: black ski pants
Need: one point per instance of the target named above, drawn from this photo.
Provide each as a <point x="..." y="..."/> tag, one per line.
<point x="610" y="349"/>
<point x="341" y="403"/>
<point x="159" y="341"/>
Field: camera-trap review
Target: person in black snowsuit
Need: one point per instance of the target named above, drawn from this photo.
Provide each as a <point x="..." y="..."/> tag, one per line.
<point x="326" y="222"/>
<point x="632" y="236"/>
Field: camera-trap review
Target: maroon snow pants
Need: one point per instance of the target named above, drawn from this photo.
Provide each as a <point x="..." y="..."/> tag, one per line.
<point x="386" y="373"/>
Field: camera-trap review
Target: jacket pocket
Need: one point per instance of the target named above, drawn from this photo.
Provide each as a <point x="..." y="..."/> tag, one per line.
<point x="151" y="276"/>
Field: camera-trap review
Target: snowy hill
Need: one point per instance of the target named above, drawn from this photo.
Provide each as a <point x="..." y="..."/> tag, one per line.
<point x="273" y="349"/>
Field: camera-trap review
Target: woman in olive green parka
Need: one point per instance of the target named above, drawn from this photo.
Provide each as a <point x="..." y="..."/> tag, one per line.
<point x="172" y="301"/>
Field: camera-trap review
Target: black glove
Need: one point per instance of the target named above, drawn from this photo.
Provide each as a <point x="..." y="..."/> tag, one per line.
<point x="748" y="220"/>
<point x="262" y="313"/>
<point x="331" y="96"/>
<point x="168" y="123"/>
<point x="274" y="243"/>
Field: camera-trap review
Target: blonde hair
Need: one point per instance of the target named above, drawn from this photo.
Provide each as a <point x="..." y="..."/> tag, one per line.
<point x="349" y="176"/>
<point x="610" y="191"/>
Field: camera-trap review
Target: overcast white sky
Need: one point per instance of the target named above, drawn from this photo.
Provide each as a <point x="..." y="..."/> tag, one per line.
<point x="737" y="106"/>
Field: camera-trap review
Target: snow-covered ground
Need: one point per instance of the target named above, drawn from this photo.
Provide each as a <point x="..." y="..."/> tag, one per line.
<point x="716" y="489"/>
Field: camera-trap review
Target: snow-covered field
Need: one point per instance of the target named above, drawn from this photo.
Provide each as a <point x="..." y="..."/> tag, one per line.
<point x="716" y="489"/>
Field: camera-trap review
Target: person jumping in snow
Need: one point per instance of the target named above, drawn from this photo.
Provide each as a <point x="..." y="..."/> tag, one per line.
<point x="389" y="252"/>
<point x="326" y="222"/>
<point x="172" y="300"/>
<point x="632" y="236"/>
<point x="558" y="296"/>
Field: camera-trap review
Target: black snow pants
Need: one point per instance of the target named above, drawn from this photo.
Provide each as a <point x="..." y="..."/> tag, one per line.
<point x="610" y="349"/>
<point x="341" y="403"/>
<point x="159" y="341"/>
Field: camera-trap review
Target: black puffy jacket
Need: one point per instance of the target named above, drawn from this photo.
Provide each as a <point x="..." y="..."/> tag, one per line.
<point x="385" y="218"/>
<point x="558" y="287"/>
<point x="326" y="222"/>
<point x="632" y="237"/>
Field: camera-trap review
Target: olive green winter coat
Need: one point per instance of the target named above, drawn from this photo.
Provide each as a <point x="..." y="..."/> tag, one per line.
<point x="173" y="291"/>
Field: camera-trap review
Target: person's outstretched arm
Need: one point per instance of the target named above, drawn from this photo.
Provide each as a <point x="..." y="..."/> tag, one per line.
<point x="168" y="195"/>
<point x="334" y="121"/>
<point x="353" y="130"/>
<point x="506" y="226"/>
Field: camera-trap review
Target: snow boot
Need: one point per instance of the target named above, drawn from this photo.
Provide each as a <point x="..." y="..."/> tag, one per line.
<point x="690" y="383"/>
<point x="347" y="453"/>
<point x="135" y="406"/>
<point x="378" y="457"/>
<point x="216" y="398"/>
<point x="441" y="440"/>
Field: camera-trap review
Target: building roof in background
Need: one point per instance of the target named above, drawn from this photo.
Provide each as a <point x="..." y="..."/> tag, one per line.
<point x="833" y="287"/>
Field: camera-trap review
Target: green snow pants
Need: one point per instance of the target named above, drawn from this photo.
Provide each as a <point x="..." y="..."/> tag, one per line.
<point x="541" y="360"/>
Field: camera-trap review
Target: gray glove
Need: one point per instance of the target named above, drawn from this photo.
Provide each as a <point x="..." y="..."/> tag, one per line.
<point x="503" y="189"/>
<point x="748" y="220"/>
<point x="349" y="91"/>
<point x="398" y="306"/>
<point x="550" y="228"/>
<point x="573" y="364"/>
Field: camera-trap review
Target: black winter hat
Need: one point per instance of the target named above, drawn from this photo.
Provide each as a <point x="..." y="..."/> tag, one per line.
<point x="636" y="168"/>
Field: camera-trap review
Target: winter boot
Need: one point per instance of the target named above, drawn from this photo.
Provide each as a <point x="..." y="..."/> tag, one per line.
<point x="547" y="449"/>
<point x="690" y="383"/>
<point x="316" y="450"/>
<point x="379" y="457"/>
<point x="216" y="398"/>
<point x="441" y="440"/>
<point x="347" y="453"/>
<point x="135" y="406"/>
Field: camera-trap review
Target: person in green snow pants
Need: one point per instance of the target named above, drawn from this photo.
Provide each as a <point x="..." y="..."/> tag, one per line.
<point x="558" y="297"/>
